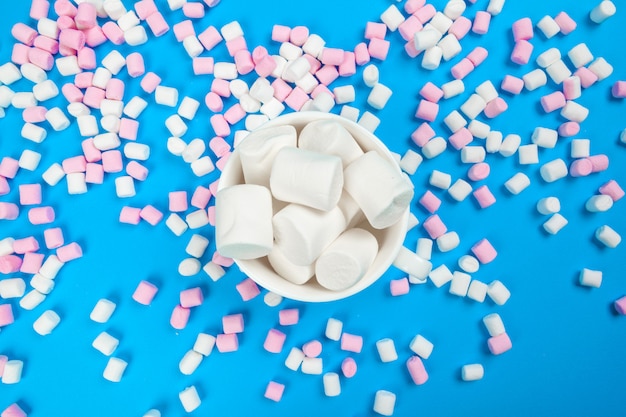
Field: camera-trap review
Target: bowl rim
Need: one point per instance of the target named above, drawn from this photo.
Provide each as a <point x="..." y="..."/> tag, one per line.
<point x="396" y="233"/>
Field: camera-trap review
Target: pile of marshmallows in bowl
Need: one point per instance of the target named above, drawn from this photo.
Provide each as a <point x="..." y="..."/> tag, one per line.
<point x="312" y="206"/>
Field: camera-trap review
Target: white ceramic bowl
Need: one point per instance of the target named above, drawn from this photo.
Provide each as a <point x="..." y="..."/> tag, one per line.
<point x="390" y="240"/>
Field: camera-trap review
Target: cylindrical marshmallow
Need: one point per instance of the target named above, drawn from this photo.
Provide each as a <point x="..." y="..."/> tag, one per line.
<point x="602" y="11"/>
<point x="609" y="237"/>
<point x="472" y="372"/>
<point x="114" y="369"/>
<point x="553" y="170"/>
<point x="190" y="362"/>
<point x="384" y="402"/>
<point x="243" y="228"/>
<point x="332" y="387"/>
<point x="330" y="137"/>
<point x="190" y="399"/>
<point x="46" y="322"/>
<point x="599" y="203"/>
<point x="298" y="274"/>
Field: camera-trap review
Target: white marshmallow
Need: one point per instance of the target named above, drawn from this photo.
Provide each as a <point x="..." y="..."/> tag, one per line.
<point x="78" y="109"/>
<point x="42" y="284"/>
<point x="262" y="90"/>
<point x="272" y="299"/>
<point x="176" y="126"/>
<point x="455" y="121"/>
<point x="332" y="387"/>
<point x="238" y="88"/>
<point x="450" y="47"/>
<point x="114" y="62"/>
<point x="57" y="119"/>
<point x="441" y="22"/>
<point x="448" y="241"/>
<point x="535" y="79"/>
<point x="494" y="325"/>
<point x="440" y="276"/>
<point x="421" y="346"/>
<point x="214" y="271"/>
<point x="510" y="144"/>
<point x="431" y="58"/>
<point x="548" y="205"/>
<point x="460" y="189"/>
<point x="334" y="329"/>
<point x="386" y="350"/>
<point x="350" y="113"/>
<point x="204" y="344"/>
<point x="136" y="36"/>
<point x="574" y="112"/>
<point x="128" y="20"/>
<point x="472" y="372"/>
<point x="454" y="9"/>
<point x="111" y="107"/>
<point x="493" y="141"/>
<point x="189" y="267"/>
<point x="23" y="100"/>
<point x="167" y="96"/>
<point x="190" y="362"/>
<point x="599" y="203"/>
<point x="105" y="343"/>
<point x="303" y="233"/>
<point x="258" y="150"/>
<point x="411" y="263"/>
<point x="114" y="9"/>
<point x="244" y="221"/>
<point x="495" y="7"/>
<point x="477" y="291"/>
<point x="555" y="223"/>
<point x="68" y="65"/>
<point x="553" y="170"/>
<point x="601" y="68"/>
<point x="197" y="219"/>
<point x="330" y="137"/>
<point x="558" y="72"/>
<point x="424" y="248"/>
<point x="45" y="324"/>
<point x="369" y="121"/>
<point x="298" y="274"/>
<point x="472" y="154"/>
<point x="460" y="283"/>
<point x="580" y="148"/>
<point x="468" y="264"/>
<point x="580" y="55"/>
<point x="487" y="91"/>
<point x="479" y="129"/>
<point x="296" y="69"/>
<point x="249" y="104"/>
<point x="384" y="402"/>
<point x="192" y="46"/>
<point x="410" y="161"/>
<point x="255" y="121"/>
<point x="125" y="186"/>
<point x="176" y="224"/>
<point x="392" y="17"/>
<point x="544" y="137"/>
<point x="370" y="75"/>
<point x="106" y="141"/>
<point x="45" y="90"/>
<point x="176" y="146"/>
<point x="498" y="293"/>
<point x="548" y="26"/>
<point x="344" y="262"/>
<point x="29" y="160"/>
<point x="193" y="150"/>
<point x="231" y="30"/>
<point x="282" y="62"/>
<point x="101" y="77"/>
<point x="473" y="106"/>
<point x="31" y="300"/>
<point x="609" y="237"/>
<point x="371" y="175"/>
<point x="453" y="88"/>
<point x="87" y="125"/>
<point x="602" y="11"/>
<point x="314" y="45"/>
<point x="51" y="267"/>
<point x="202" y="166"/>
<point x="102" y="311"/>
<point x="189" y="398"/>
<point x="138" y="151"/>
<point x="273" y="108"/>
<point x="517" y="183"/>
<point x="33" y="132"/>
<point x="53" y="174"/>
<point x="152" y="413"/>
<point x="12" y="371"/>
<point x="134" y="107"/>
<point x="197" y="245"/>
<point x="440" y="179"/>
<point x="312" y="366"/>
<point x="590" y="278"/>
<point x="110" y="123"/>
<point x="48" y="28"/>
<point x="12" y="288"/>
<point x="378" y="96"/>
<point x="528" y="154"/>
<point x="548" y="57"/>
<point x="225" y="70"/>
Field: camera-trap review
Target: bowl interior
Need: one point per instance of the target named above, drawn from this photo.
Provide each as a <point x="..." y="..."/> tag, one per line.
<point x="389" y="240"/>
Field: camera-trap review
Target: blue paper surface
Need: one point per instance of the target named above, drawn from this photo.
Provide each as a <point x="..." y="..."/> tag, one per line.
<point x="567" y="356"/>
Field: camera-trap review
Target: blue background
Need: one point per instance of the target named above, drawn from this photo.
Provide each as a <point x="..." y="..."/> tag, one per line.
<point x="567" y="356"/>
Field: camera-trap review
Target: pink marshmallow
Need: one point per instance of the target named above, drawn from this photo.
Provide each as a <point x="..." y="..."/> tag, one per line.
<point x="348" y="367"/>
<point x="150" y="82"/>
<point x="112" y="161"/>
<point x="274" y="341"/>
<point x="8" y="211"/>
<point x="86" y="16"/>
<point x="9" y="167"/>
<point x="243" y="62"/>
<point x="145" y="8"/>
<point x="130" y="215"/>
<point x="200" y="198"/>
<point x="113" y="33"/>
<point x="351" y="342"/>
<point x="569" y="129"/>
<point x="6" y="315"/>
<point x="157" y="24"/>
<point x="219" y="146"/>
<point x="522" y="29"/>
<point x="20" y="54"/>
<point x="46" y="44"/>
<point x="265" y="66"/>
<point x="361" y="54"/>
<point x="479" y="171"/>
<point x="484" y="197"/>
<point x="274" y="391"/>
<point x="66" y="22"/>
<point x="83" y="79"/>
<point x="321" y="88"/>
<point x="94" y="173"/>
<point x="93" y="96"/>
<point x="375" y="30"/>
<point x="41" y="215"/>
<point x="72" y="93"/>
<point x="425" y="13"/>
<point x="296" y="99"/>
<point x="587" y="77"/>
<point x="312" y="349"/>
<point x="522" y="52"/>
<point x="95" y="37"/>
<point x="145" y="292"/>
<point x="135" y="64"/>
<point x="234" y="114"/>
<point x="348" y="66"/>
<point x="332" y="56"/>
<point x="65" y="8"/>
<point x="495" y="107"/>
<point x="221" y="87"/>
<point x="13" y="410"/>
<point x="10" y="264"/>
<point x="53" y="237"/>
<point x="599" y="162"/>
<point x="74" y="164"/>
<point x="24" y="33"/>
<point x="281" y="33"/>
<point x="3" y="360"/>
<point x="481" y="22"/>
<point x="571" y="88"/>
<point x="327" y="74"/>
<point x="43" y="59"/>
<point x="183" y="29"/>
<point x="227" y="342"/>
<point x="619" y="89"/>
<point x="151" y="215"/>
<point x="247" y="289"/>
<point x="411" y="6"/>
<point x="612" y="189"/>
<point x="511" y="84"/>
<point x="581" y="167"/>
<point x="193" y="10"/>
<point x="378" y="48"/>
<point x="399" y="286"/>
<point x="5" y="188"/>
<point x="620" y="305"/>
<point x="434" y="226"/>
<point x="460" y="27"/>
<point x="39" y="9"/>
<point x="552" y="101"/>
<point x="565" y="22"/>
<point x="128" y="128"/>
<point x="191" y="297"/>
<point x="179" y="317"/>
<point x="478" y="55"/>
<point x="499" y="344"/>
<point x="431" y="92"/>
<point x="178" y="201"/>
<point x="72" y="38"/>
<point x="202" y="65"/>
<point x="30" y="194"/>
<point x="422" y="134"/>
<point x="210" y="37"/>
<point x="417" y="371"/>
<point x="24" y="245"/>
<point x="235" y="45"/>
<point x="462" y="69"/>
<point x="427" y="110"/>
<point x="222" y="260"/>
<point x="137" y="171"/>
<point x="233" y="323"/>
<point x="221" y="162"/>
<point x="288" y="316"/>
<point x="461" y="138"/>
<point x="35" y="114"/>
<point x="220" y="125"/>
<point x="86" y="58"/>
<point x="31" y="263"/>
<point x="259" y="53"/>
<point x="211" y="214"/>
<point x="430" y="202"/>
<point x="69" y="252"/>
<point x="484" y="251"/>
<point x="409" y="27"/>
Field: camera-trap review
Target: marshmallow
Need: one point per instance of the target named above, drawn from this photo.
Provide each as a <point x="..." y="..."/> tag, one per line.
<point x="609" y="237"/>
<point x="189" y="398"/>
<point x="46" y="322"/>
<point x="258" y="150"/>
<point x="413" y="264"/>
<point x="102" y="311"/>
<point x="190" y="362"/>
<point x="346" y="260"/>
<point x="371" y="175"/>
<point x="472" y="372"/>
<point x="384" y="402"/>
<point x="555" y="223"/>
<point x="553" y="170"/>
<point x="599" y="203"/>
<point x="590" y="278"/>
<point x="602" y="11"/>
<point x="332" y="387"/>
<point x="12" y="288"/>
<point x="548" y="205"/>
<point x="298" y="274"/>
<point x="330" y="137"/>
<point x="303" y="233"/>
<point x="105" y="343"/>
<point x="114" y="369"/>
